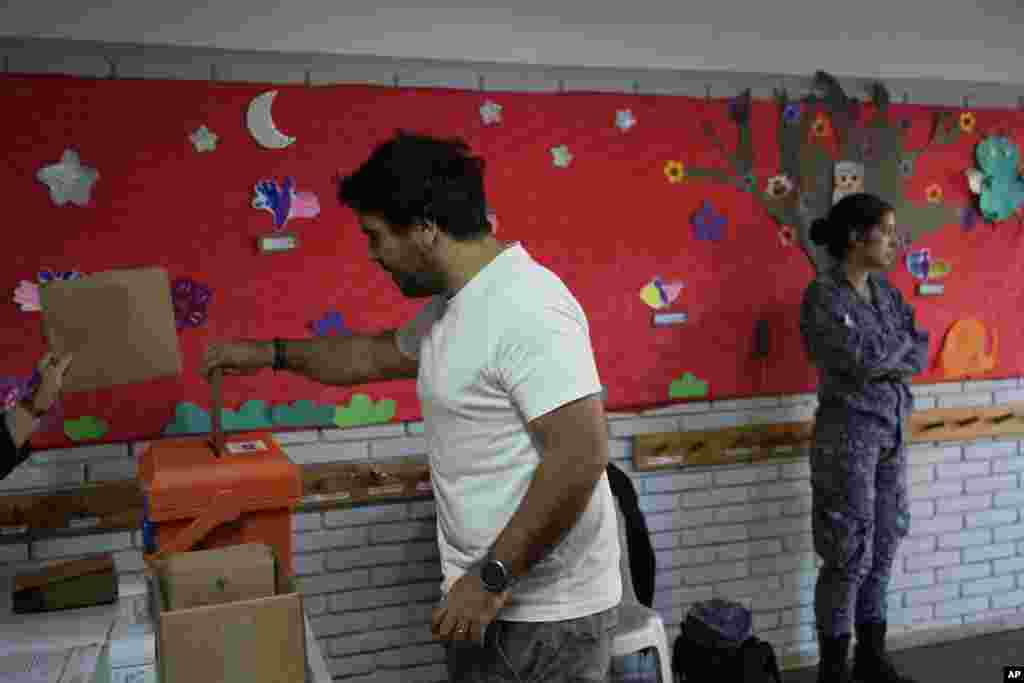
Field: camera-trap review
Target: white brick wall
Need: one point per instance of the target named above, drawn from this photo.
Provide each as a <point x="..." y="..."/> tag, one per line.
<point x="370" y="575"/>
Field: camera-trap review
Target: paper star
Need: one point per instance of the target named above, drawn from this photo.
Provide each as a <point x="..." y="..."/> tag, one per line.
<point x="490" y="113"/>
<point x="204" y="139"/>
<point x="68" y="180"/>
<point x="624" y="119"/>
<point x="561" y="155"/>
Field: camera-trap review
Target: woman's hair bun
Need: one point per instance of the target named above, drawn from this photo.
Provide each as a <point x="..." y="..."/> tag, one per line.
<point x="820" y="231"/>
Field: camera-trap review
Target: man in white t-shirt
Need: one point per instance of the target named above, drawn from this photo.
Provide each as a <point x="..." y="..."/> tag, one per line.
<point x="518" y="441"/>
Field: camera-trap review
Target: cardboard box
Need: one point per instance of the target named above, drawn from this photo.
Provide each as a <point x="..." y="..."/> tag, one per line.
<point x="66" y="585"/>
<point x="262" y="640"/>
<point x="217" y="576"/>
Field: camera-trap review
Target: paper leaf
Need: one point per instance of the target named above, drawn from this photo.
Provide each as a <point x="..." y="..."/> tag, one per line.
<point x="189" y="419"/>
<point x="250" y="416"/>
<point x="85" y="428"/>
<point x="302" y="414"/>
<point x="361" y="411"/>
<point x="688" y="386"/>
<point x="68" y="180"/>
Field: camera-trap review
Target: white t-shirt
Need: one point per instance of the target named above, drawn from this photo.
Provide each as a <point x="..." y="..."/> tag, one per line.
<point x="513" y="344"/>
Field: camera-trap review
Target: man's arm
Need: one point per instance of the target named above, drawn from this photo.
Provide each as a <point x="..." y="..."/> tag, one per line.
<point x="346" y="361"/>
<point x="573" y="443"/>
<point x="14" y="449"/>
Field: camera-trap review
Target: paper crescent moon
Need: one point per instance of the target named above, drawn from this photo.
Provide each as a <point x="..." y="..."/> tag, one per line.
<point x="261" y="122"/>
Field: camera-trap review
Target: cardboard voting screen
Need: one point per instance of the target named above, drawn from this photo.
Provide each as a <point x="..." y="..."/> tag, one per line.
<point x="119" y="326"/>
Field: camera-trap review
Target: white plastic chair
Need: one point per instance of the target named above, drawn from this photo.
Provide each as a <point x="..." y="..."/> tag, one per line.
<point x="640" y="627"/>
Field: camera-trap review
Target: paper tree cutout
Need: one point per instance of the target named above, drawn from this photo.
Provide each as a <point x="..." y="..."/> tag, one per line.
<point x="204" y="139"/>
<point x="190" y="301"/>
<point x="490" y="113"/>
<point x="624" y="119"/>
<point x="688" y="386"/>
<point x="362" y="411"/>
<point x="561" y="156"/>
<point x="658" y="294"/>
<point x="283" y="202"/>
<point x="708" y="224"/>
<point x="86" y="428"/>
<point x="964" y="350"/>
<point x="68" y="180"/>
<point x="332" y="324"/>
<point x="998" y="181"/>
<point x="303" y="414"/>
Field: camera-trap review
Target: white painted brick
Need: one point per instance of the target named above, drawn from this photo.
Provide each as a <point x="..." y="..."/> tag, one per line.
<point x="991" y="518"/>
<point x="991" y="449"/>
<point x="620" y="449"/>
<point x="128" y="561"/>
<point x="642" y="425"/>
<point x="304" y="565"/>
<point x="81" y="545"/>
<point x="788" y="634"/>
<point x="13" y="552"/>
<point x="710" y="421"/>
<point x="782" y="600"/>
<point x="344" y="667"/>
<point x="797" y="413"/>
<point x="319" y="453"/>
<point x="1009" y="499"/>
<point x="714" y="573"/>
<point x="973" y="386"/>
<point x="1008" y="565"/>
<point x="915" y="545"/>
<point x="676" y="482"/>
<point x="932" y="595"/>
<point x="1007" y="600"/>
<point x="1011" y="464"/>
<point x="405" y="573"/>
<point x="740" y="551"/>
<point x="685" y="557"/>
<point x="306" y="521"/>
<point x="991" y="552"/>
<point x="748" y="474"/>
<point x="365" y="433"/>
<point x="714" y="534"/>
<point x="932" y="389"/>
<point x="800" y="469"/>
<point x="940" y="559"/>
<point x="787" y="489"/>
<point x="798" y="542"/>
<point x="402" y="658"/>
<point x="937" y="524"/>
<point x="998" y="584"/>
<point x="370" y="514"/>
<point x="321" y="540"/>
<point x="404" y="615"/>
<point x="922" y="509"/>
<point x="965" y="572"/>
<point x="403" y="531"/>
<point x="779" y="565"/>
<point x="926" y="402"/>
<point x="747" y="587"/>
<point x="990" y="615"/>
<point x="66" y="456"/>
<point x="964" y="503"/>
<point x="963" y="470"/>
<point x="960" y="607"/>
<point x="422" y="509"/>
<point x="798" y="580"/>
<point x="678" y="409"/>
<point x="732" y="514"/>
<point x="679" y="519"/>
<point x="379" y="640"/>
<point x="314" y="605"/>
<point x="925" y="454"/>
<point x="780" y="527"/>
<point x="936" y="489"/>
<point x="388" y="449"/>
<point x="910" y="615"/>
<point x="658" y="503"/>
<point x="714" y="496"/>
<point x="381" y="555"/>
<point x="965" y="400"/>
<point x="1008" y="396"/>
<point x="664" y="541"/>
<point x="27" y="477"/>
<point x="964" y="539"/>
<point x="682" y="596"/>
<point x="300" y="436"/>
<point x="797" y="506"/>
<point x="982" y="484"/>
<point x="111" y="469"/>
<point x="415" y="428"/>
<point x="333" y="583"/>
<point x="903" y="581"/>
<point x="794" y="617"/>
<point x="380" y="597"/>
<point x="919" y="474"/>
<point x="763" y="621"/>
<point x="747" y="404"/>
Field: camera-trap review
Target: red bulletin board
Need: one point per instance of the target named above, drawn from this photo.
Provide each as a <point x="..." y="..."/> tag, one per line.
<point x="607" y="224"/>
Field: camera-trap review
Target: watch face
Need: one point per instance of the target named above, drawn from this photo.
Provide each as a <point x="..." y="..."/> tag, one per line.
<point x="493" y="575"/>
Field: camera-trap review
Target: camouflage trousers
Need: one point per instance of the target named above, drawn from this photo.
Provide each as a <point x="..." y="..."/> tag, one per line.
<point x="860" y="512"/>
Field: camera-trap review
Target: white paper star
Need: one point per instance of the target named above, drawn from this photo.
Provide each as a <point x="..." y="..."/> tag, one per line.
<point x="68" y="180"/>
<point x="490" y="113"/>
<point x="624" y="119"/>
<point x="562" y="156"/>
<point x="204" y="139"/>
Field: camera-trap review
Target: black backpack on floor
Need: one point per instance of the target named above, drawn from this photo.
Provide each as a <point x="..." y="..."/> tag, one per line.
<point x="716" y="646"/>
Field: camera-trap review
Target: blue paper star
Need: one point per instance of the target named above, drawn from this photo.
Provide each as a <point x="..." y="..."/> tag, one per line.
<point x="68" y="180"/>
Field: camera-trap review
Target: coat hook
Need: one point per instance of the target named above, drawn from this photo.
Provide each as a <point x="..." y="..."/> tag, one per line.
<point x="966" y="101"/>
<point x="707" y="91"/>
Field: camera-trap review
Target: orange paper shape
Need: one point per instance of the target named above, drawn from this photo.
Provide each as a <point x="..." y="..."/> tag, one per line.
<point x="963" y="353"/>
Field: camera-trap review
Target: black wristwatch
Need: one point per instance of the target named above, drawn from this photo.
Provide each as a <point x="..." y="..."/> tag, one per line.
<point x="279" y="359"/>
<point x="494" y="575"/>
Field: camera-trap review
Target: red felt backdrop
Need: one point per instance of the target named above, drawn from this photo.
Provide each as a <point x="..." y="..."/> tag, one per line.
<point x="606" y="224"/>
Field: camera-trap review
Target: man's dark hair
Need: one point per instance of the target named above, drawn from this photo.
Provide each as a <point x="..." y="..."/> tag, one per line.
<point x="413" y="178"/>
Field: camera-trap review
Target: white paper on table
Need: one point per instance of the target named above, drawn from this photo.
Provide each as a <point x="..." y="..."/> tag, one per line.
<point x="44" y="666"/>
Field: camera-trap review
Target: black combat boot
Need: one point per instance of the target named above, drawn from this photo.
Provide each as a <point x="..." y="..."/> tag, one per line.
<point x="871" y="664"/>
<point x="834" y="653"/>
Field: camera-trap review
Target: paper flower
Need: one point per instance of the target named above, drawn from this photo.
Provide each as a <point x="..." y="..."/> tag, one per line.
<point x="919" y="263"/>
<point x="787" y="235"/>
<point x="26" y="295"/>
<point x="86" y="428"/>
<point x="283" y="202"/>
<point x="332" y="324"/>
<point x="14" y="389"/>
<point x="362" y="410"/>
<point x="624" y="119"/>
<point x="562" y="156"/>
<point x="939" y="269"/>
<point x="779" y="187"/>
<point x="190" y="301"/>
<point x="688" y="386"/>
<point x="969" y="218"/>
<point x="675" y="171"/>
<point x="934" y="193"/>
<point x="822" y="127"/>
<point x="708" y="224"/>
<point x="490" y="113"/>
<point x="749" y="182"/>
<point x="68" y="180"/>
<point x="968" y="121"/>
<point x="204" y="139"/>
<point x="658" y="294"/>
<point x="791" y="114"/>
<point x="46" y="276"/>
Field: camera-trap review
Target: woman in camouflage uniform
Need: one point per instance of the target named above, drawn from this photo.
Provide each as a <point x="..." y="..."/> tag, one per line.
<point x="862" y="337"/>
